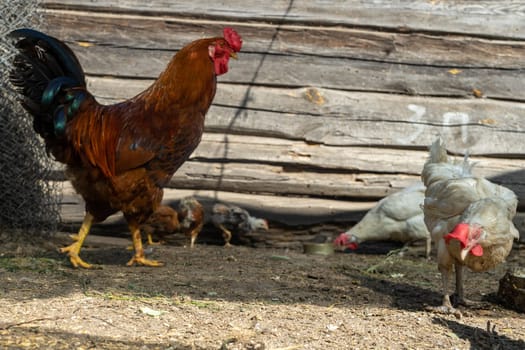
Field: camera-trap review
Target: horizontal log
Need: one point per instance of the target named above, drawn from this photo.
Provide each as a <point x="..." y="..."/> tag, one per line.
<point x="247" y="164"/>
<point x="331" y="117"/>
<point x="281" y="155"/>
<point x="354" y="162"/>
<point x="159" y="33"/>
<point x="363" y="159"/>
<point x="297" y="70"/>
<point x="281" y="180"/>
<point x="482" y="18"/>
<point x="284" y="181"/>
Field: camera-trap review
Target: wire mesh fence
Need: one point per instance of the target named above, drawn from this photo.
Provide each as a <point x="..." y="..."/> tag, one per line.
<point x="29" y="204"/>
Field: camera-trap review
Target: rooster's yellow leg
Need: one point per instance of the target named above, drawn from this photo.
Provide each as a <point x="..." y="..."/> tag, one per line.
<point x="74" y="249"/>
<point x="139" y="258"/>
<point x="152" y="242"/>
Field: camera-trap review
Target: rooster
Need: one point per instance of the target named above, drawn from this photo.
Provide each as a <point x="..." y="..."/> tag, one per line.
<point x="230" y="218"/>
<point x="397" y="217"/>
<point x="165" y="220"/>
<point x="191" y="217"/>
<point x="118" y="157"/>
<point x="469" y="219"/>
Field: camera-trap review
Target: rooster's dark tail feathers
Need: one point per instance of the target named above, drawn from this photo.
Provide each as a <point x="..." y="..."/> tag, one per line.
<point x="50" y="79"/>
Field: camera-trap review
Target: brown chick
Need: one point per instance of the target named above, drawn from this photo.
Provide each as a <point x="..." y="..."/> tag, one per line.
<point x="162" y="222"/>
<point x="191" y="216"/>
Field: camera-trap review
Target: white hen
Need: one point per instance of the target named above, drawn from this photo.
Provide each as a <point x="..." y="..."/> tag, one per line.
<point x="469" y="218"/>
<point x="397" y="217"/>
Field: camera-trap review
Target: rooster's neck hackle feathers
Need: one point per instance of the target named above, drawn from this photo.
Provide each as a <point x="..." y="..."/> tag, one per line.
<point x="187" y="76"/>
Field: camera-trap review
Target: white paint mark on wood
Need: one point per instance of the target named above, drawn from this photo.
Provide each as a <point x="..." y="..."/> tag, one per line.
<point x="416" y="117"/>
<point x="451" y="118"/>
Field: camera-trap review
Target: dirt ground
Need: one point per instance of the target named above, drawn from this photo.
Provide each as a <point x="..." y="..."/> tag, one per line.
<point x="241" y="298"/>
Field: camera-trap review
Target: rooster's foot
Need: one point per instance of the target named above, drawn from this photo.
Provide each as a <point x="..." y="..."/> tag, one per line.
<point x="141" y="260"/>
<point x="152" y="242"/>
<point x="156" y="243"/>
<point x="76" y="261"/>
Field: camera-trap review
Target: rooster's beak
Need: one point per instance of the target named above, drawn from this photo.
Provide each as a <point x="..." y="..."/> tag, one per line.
<point x="233" y="55"/>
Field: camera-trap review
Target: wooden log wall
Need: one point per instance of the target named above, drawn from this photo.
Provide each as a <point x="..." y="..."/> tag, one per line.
<point x="332" y="104"/>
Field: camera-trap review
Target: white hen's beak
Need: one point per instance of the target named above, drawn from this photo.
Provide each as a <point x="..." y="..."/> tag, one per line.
<point x="464" y="253"/>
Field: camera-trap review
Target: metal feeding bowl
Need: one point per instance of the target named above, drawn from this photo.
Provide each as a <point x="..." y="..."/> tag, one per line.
<point x="318" y="248"/>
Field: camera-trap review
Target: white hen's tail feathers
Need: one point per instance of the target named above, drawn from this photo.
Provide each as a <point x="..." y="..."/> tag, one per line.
<point x="438" y="152"/>
<point x="440" y="167"/>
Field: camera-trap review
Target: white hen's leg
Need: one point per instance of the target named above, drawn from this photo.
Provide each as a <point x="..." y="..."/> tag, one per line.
<point x="445" y="268"/>
<point x="446" y="307"/>
<point x="445" y="279"/>
<point x="459" y="282"/>
<point x="460" y="293"/>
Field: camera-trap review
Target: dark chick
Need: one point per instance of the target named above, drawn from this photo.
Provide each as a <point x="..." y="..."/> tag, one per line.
<point x="118" y="157"/>
<point x="233" y="219"/>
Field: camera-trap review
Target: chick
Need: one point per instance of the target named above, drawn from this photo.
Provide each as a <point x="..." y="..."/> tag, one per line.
<point x="233" y="219"/>
<point x="191" y="217"/>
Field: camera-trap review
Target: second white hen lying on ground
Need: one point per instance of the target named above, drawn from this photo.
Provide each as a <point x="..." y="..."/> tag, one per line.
<point x="397" y="217"/>
<point x="469" y="219"/>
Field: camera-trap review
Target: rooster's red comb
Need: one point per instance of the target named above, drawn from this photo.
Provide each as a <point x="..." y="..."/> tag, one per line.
<point x="232" y="38"/>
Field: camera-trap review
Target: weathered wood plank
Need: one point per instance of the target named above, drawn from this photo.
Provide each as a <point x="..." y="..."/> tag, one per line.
<point x="483" y="126"/>
<point x="158" y="33"/>
<point x="316" y="162"/>
<point x="483" y="18"/>
<point x="284" y="180"/>
<point x="243" y="148"/>
<point x="279" y="180"/>
<point x="284" y="167"/>
<point x="324" y="72"/>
